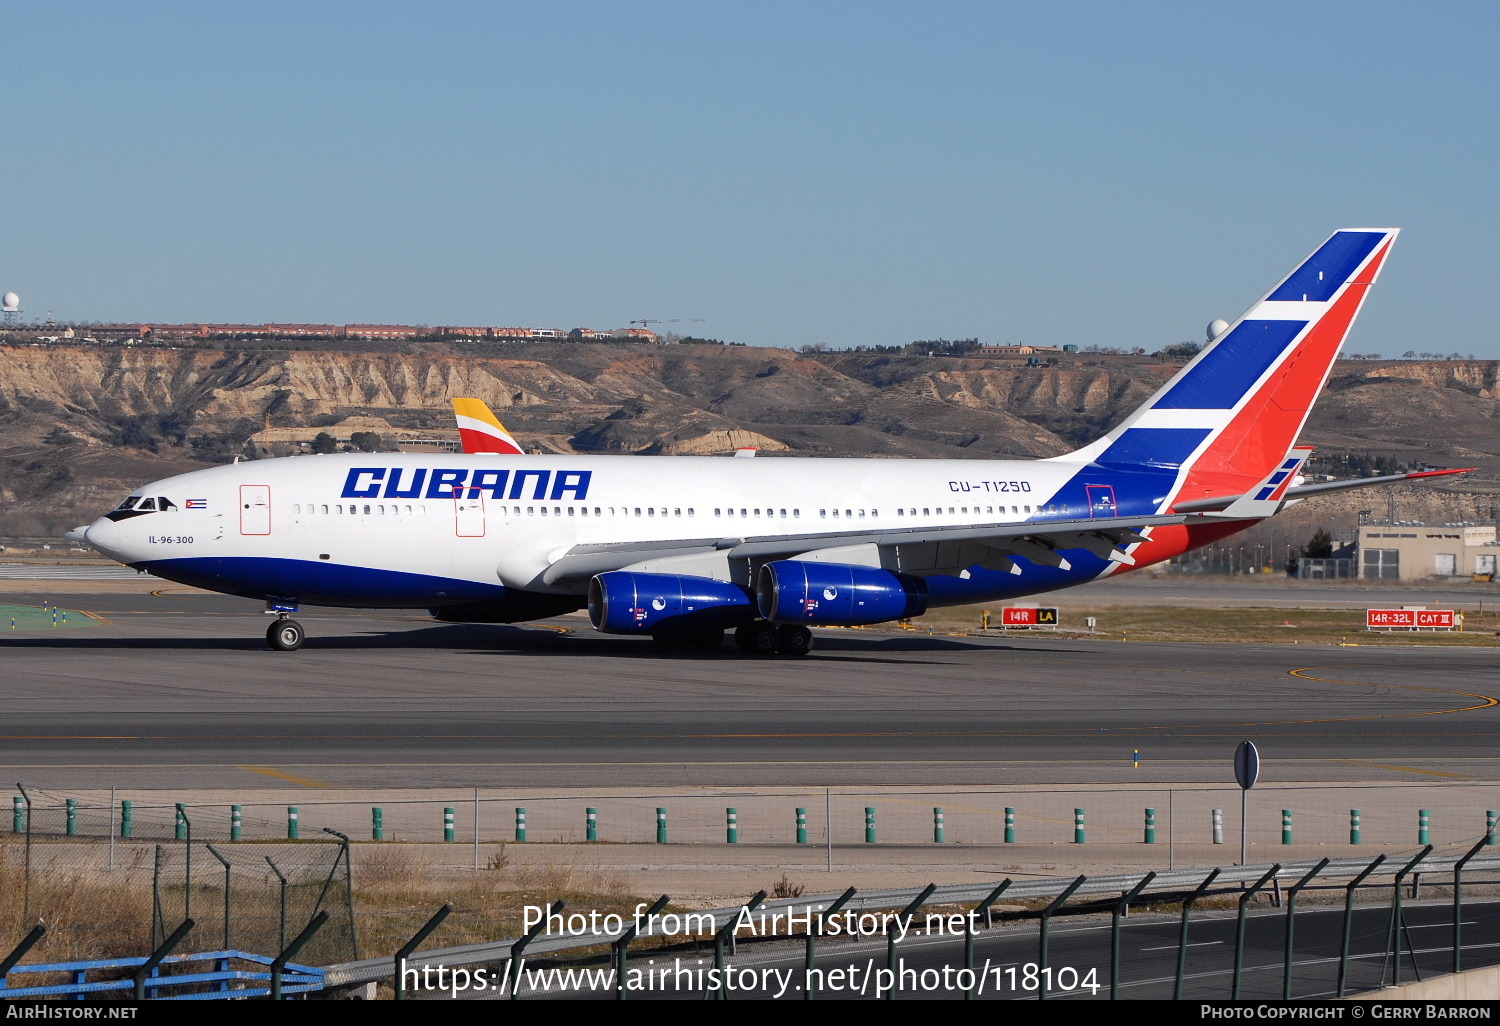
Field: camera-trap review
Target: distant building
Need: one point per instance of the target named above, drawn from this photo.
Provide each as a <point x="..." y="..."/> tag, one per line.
<point x="1017" y="350"/>
<point x="1414" y="552"/>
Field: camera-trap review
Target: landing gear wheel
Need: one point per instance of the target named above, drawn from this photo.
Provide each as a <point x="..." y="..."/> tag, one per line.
<point x="793" y="641"/>
<point x="757" y="638"/>
<point x="285" y="635"/>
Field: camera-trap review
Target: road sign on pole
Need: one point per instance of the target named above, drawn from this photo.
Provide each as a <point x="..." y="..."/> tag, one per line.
<point x="1246" y="771"/>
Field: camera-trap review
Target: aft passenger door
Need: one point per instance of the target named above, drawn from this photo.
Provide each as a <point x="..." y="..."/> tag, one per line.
<point x="255" y="509"/>
<point x="468" y="514"/>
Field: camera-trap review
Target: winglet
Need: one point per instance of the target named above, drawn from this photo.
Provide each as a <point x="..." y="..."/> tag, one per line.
<point x="480" y="431"/>
<point x="1267" y="497"/>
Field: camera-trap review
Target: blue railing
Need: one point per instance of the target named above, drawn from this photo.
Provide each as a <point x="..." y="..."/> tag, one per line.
<point x="222" y="981"/>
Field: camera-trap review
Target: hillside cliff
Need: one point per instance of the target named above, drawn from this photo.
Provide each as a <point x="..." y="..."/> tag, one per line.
<point x="83" y="425"/>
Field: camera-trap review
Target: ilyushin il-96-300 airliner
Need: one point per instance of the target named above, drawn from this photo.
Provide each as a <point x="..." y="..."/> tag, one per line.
<point x="683" y="549"/>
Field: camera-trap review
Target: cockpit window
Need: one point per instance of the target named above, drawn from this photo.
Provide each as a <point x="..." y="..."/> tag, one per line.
<point x="147" y="506"/>
<point x="128" y="502"/>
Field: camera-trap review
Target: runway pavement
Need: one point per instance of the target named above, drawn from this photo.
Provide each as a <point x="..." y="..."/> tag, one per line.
<point x="179" y="687"/>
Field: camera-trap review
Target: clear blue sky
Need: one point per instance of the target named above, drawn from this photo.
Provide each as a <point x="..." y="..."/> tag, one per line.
<point x="791" y="172"/>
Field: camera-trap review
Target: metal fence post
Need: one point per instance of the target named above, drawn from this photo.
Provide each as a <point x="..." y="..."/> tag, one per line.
<point x="661" y="825"/>
<point x="727" y="932"/>
<point x="517" y="961"/>
<point x="1458" y="903"/>
<point x="814" y="929"/>
<point x="1150" y="837"/>
<point x="869" y="824"/>
<point x="17" y="953"/>
<point x="982" y="907"/>
<point x="1354" y="815"/>
<point x="416" y="939"/>
<point x="1187" y="911"/>
<point x="281" y="927"/>
<point x="1291" y="921"/>
<point x="939" y="830"/>
<point x="144" y="970"/>
<point x="1043" y="936"/>
<point x="904" y="916"/>
<point x="1119" y="912"/>
<point x="227" y="900"/>
<point x="282" y="959"/>
<point x="1239" y="928"/>
<point x="731" y="826"/>
<point x="621" y="946"/>
<point x="591" y="824"/>
<point x="1398" y="928"/>
<point x="1349" y="920"/>
<point x="1010" y="825"/>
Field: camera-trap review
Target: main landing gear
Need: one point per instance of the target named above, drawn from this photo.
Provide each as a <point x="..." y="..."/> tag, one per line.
<point x="284" y="634"/>
<point x="764" y="639"/>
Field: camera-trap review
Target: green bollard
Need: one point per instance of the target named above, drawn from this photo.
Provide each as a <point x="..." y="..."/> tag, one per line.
<point x="1010" y="825"/>
<point x="661" y="825"/>
<point x="181" y="830"/>
<point x="377" y="823"/>
<point x="731" y="826"/>
<point x="591" y="824"/>
<point x="1218" y="826"/>
<point x="291" y="823"/>
<point x="521" y="823"/>
<point x="1286" y="826"/>
<point x="127" y="808"/>
<point x="1078" y="834"/>
<point x="72" y="817"/>
<point x="939" y="831"/>
<point x="448" y="831"/>
<point x="1489" y="827"/>
<point x="1354" y="815"/>
<point x="1422" y="823"/>
<point x="802" y="825"/>
<point x="18" y="814"/>
<point x="869" y="823"/>
<point x="236" y="823"/>
<point x="1150" y="826"/>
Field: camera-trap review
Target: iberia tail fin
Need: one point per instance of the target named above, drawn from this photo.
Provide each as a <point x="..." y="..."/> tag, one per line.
<point x="480" y="431"/>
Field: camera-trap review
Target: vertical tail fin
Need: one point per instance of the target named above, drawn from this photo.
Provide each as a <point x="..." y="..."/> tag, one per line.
<point x="480" y="431"/>
<point x="1227" y="419"/>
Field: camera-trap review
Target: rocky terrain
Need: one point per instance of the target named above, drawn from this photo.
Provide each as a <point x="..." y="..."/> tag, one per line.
<point x="83" y="425"/>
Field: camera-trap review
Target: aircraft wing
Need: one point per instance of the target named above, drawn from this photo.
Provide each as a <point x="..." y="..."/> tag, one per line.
<point x="919" y="551"/>
<point x="1223" y="502"/>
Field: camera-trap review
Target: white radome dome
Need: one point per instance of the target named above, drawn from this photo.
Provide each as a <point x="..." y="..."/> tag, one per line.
<point x="12" y="301"/>
<point x="1217" y="327"/>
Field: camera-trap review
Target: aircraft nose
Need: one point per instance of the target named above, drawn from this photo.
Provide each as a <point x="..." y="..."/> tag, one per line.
<point x="106" y="536"/>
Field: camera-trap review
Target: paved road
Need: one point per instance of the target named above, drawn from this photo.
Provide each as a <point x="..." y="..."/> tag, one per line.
<point x="181" y="685"/>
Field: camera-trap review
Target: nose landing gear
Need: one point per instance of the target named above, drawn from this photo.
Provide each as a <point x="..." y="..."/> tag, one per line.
<point x="284" y="634"/>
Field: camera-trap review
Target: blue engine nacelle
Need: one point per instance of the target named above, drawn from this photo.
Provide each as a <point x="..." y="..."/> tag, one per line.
<point x="836" y="594"/>
<point x="621" y="602"/>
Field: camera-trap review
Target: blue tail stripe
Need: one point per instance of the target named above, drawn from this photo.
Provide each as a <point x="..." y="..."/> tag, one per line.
<point x="1325" y="271"/>
<point x="1229" y="369"/>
